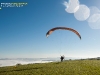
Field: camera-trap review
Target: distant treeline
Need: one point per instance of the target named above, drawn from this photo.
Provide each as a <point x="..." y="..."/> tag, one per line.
<point x="98" y="58"/>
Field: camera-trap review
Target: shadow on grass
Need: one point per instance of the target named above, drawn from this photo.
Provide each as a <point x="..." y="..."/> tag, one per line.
<point x="57" y="62"/>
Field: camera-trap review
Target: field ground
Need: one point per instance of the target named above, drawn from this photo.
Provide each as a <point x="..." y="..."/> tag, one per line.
<point x="68" y="67"/>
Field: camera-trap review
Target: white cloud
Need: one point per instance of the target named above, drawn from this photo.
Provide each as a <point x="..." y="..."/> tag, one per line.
<point x="65" y="4"/>
<point x="93" y="10"/>
<point x="71" y="5"/>
<point x="82" y="13"/>
<point x="94" y="19"/>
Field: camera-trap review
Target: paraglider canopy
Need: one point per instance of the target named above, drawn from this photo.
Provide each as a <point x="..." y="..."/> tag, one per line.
<point x="63" y="28"/>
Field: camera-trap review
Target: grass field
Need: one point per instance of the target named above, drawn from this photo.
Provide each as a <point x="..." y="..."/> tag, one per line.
<point x="68" y="67"/>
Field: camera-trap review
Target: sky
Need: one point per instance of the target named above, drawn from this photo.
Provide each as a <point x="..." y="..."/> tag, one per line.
<point x="23" y="29"/>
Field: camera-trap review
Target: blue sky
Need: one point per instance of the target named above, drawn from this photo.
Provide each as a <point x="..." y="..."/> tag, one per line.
<point x="23" y="31"/>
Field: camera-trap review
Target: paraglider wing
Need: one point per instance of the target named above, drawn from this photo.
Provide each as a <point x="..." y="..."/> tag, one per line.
<point x="63" y="28"/>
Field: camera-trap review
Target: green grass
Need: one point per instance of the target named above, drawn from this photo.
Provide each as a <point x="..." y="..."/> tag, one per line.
<point x="70" y="67"/>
